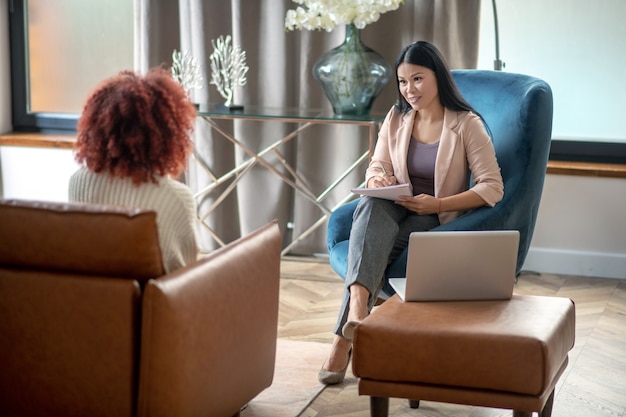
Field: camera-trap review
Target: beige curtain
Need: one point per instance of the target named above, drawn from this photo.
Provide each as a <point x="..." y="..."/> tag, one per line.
<point x="280" y="65"/>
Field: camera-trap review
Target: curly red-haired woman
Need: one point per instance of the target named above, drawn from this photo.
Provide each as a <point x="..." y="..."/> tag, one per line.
<point x="133" y="142"/>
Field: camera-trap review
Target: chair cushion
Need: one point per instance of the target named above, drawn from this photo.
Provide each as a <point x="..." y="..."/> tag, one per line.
<point x="87" y="239"/>
<point x="516" y="346"/>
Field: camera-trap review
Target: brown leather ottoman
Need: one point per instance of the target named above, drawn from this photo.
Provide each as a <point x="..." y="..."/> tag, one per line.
<point x="501" y="354"/>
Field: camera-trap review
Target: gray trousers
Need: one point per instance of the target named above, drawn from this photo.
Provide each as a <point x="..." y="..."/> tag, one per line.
<point x="380" y="232"/>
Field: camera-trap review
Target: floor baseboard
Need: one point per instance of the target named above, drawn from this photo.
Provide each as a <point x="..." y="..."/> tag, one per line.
<point x="581" y="263"/>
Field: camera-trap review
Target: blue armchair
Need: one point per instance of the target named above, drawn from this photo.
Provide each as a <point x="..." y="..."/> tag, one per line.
<point x="518" y="110"/>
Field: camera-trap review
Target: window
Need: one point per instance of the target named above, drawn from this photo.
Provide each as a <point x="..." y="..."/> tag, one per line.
<point x="577" y="47"/>
<point x="59" y="52"/>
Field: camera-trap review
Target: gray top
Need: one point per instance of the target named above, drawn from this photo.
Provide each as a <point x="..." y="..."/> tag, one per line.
<point x="421" y="165"/>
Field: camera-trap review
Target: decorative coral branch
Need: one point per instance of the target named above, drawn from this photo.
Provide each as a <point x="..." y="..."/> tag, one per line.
<point x="228" y="67"/>
<point x="186" y="71"/>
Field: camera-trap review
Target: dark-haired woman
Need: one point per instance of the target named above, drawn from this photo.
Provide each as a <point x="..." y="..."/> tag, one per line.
<point x="133" y="142"/>
<point x="434" y="140"/>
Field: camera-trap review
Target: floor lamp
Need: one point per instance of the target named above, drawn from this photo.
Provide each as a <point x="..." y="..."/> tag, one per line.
<point x="497" y="63"/>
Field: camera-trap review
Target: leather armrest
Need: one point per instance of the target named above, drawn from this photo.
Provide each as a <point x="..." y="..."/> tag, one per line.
<point x="209" y="330"/>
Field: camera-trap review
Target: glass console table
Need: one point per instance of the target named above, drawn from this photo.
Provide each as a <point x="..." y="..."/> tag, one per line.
<point x="303" y="119"/>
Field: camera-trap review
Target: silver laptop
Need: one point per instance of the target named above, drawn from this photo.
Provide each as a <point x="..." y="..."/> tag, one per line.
<point x="451" y="266"/>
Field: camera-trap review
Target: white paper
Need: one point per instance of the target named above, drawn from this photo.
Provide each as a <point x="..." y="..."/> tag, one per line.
<point x="391" y="192"/>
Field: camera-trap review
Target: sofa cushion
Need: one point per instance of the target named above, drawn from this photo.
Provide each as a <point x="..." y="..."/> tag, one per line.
<point x="68" y="345"/>
<point x="80" y="238"/>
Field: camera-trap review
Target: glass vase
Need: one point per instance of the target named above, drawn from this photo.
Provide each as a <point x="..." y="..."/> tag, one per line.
<point x="352" y="75"/>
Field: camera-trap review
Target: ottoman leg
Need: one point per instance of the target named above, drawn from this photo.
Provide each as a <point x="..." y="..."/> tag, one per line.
<point x="521" y="414"/>
<point x="414" y="404"/>
<point x="547" y="409"/>
<point x="379" y="406"/>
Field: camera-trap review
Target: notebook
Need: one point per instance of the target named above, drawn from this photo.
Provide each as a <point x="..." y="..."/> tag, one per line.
<point x="391" y="192"/>
<point x="467" y="265"/>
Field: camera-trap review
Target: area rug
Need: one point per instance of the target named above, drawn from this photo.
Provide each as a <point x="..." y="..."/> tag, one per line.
<point x="295" y="383"/>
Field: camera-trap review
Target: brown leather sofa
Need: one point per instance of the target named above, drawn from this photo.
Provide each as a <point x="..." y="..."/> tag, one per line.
<point x="91" y="326"/>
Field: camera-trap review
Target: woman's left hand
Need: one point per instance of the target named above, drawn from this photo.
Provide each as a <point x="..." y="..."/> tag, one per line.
<point x="420" y="204"/>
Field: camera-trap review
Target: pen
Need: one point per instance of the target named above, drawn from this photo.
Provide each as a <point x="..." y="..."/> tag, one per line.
<point x="384" y="170"/>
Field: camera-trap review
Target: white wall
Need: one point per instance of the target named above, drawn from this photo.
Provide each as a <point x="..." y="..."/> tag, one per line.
<point x="36" y="174"/>
<point x="577" y="47"/>
<point x="5" y="82"/>
<point x="5" y="85"/>
<point x="581" y="228"/>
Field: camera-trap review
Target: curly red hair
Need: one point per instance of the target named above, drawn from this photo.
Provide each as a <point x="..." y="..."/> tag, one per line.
<point x="136" y="127"/>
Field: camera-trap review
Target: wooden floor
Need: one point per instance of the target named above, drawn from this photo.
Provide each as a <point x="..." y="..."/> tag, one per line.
<point x="593" y="385"/>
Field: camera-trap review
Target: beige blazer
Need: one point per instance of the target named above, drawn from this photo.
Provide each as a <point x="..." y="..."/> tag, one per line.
<point x="464" y="148"/>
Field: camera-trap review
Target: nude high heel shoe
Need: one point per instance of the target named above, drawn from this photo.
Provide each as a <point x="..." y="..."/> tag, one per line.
<point x="327" y="377"/>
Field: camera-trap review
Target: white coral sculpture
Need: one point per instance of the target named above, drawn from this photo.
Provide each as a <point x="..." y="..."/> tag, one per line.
<point x="228" y="67"/>
<point x="186" y="71"/>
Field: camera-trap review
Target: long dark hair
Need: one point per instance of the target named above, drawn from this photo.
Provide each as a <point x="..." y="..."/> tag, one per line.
<point x="427" y="55"/>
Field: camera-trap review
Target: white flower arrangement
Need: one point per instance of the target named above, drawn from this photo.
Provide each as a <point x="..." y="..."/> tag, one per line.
<point x="326" y="14"/>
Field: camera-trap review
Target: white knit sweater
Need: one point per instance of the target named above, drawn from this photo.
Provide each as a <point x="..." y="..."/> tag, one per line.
<point x="173" y="202"/>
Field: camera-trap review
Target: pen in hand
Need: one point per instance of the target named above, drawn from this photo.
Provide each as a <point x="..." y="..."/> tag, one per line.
<point x="385" y="179"/>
